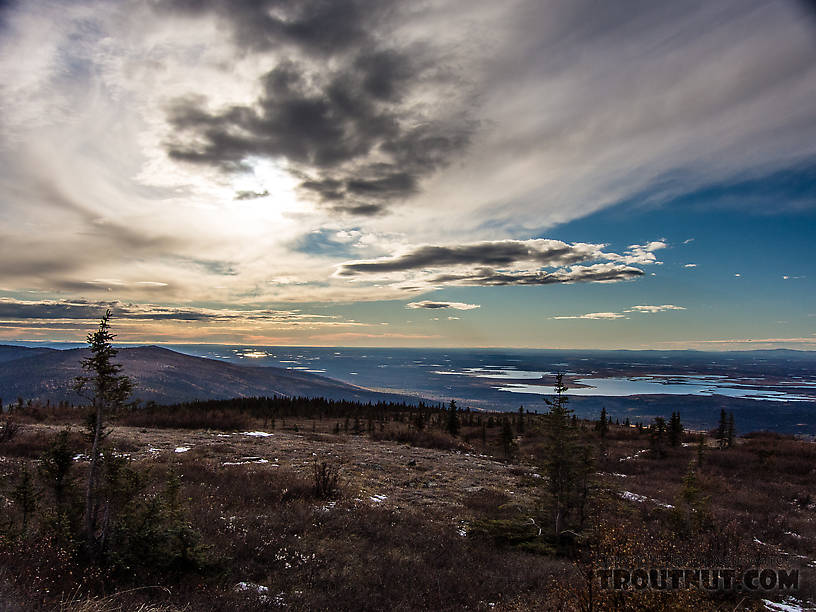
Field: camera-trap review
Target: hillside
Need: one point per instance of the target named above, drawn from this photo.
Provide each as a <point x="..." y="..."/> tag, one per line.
<point x="164" y="376"/>
<point x="416" y="520"/>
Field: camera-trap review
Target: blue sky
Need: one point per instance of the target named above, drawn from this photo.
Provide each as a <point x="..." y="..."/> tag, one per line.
<point x="556" y="174"/>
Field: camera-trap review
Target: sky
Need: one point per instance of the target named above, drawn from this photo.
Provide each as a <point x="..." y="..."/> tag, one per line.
<point x="453" y="173"/>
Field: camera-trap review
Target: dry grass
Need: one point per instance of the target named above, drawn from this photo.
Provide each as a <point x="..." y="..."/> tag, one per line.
<point x="391" y="537"/>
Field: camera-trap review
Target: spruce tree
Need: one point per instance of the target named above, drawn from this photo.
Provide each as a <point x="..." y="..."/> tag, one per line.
<point x="26" y="496"/>
<point x="561" y="454"/>
<point x="675" y="429"/>
<point x="453" y="419"/>
<point x="656" y="433"/>
<point x="603" y="423"/>
<point x="109" y="390"/>
<point x="722" y="430"/>
<point x="507" y="437"/>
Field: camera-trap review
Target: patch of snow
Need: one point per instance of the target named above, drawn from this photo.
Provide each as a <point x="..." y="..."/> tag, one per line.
<point x="633" y="496"/>
<point x="628" y="495"/>
<point x="378" y="499"/>
<point x="246" y="460"/>
<point x="182" y="449"/>
<point x="257" y="434"/>
<point x="635" y="456"/>
<point x="262" y="592"/>
<point x="790" y="604"/>
<point x="251" y="586"/>
<point x="793" y="535"/>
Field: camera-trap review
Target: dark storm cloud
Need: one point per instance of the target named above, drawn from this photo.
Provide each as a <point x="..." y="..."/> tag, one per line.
<point x="494" y="253"/>
<point x="505" y="262"/>
<point x="430" y="305"/>
<point x="323" y="27"/>
<point x="488" y="277"/>
<point x="349" y="128"/>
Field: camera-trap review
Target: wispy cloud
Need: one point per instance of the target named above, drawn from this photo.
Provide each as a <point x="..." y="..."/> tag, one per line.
<point x="89" y="312"/>
<point x="642" y="309"/>
<point x="653" y="309"/>
<point x="601" y="316"/>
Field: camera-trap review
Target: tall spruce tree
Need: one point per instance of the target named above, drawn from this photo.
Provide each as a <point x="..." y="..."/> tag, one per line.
<point x="507" y="437"/>
<point x="722" y="430"/>
<point x="109" y="389"/>
<point x="675" y="429"/>
<point x="603" y="423"/>
<point x="453" y="419"/>
<point x="560" y="442"/>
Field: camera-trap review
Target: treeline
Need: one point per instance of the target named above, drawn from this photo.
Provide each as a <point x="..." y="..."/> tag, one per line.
<point x="348" y="415"/>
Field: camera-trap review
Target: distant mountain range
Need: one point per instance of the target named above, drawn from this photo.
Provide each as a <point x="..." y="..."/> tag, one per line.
<point x="165" y="377"/>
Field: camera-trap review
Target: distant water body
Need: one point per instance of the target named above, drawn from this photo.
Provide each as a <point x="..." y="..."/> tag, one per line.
<point x="492" y="377"/>
<point x="769" y="389"/>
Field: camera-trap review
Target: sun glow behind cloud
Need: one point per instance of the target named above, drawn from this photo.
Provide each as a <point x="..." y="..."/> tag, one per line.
<point x="222" y="155"/>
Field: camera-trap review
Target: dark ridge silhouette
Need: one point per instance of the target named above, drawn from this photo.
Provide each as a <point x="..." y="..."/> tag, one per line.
<point x="166" y="377"/>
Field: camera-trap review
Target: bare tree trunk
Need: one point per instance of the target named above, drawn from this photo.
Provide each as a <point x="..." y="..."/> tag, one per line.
<point x="90" y="493"/>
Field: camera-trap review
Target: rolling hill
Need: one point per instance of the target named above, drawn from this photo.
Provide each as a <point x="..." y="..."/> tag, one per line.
<point x="165" y="376"/>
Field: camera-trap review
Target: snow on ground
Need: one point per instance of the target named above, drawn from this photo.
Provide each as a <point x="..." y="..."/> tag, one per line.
<point x="634" y="497"/>
<point x="257" y="434"/>
<point x="635" y="456"/>
<point x="378" y="498"/>
<point x="246" y="460"/>
<point x="628" y="495"/>
<point x="182" y="449"/>
<point x="790" y="604"/>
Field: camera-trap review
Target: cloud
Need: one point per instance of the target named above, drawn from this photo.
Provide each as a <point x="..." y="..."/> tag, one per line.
<point x="435" y="305"/>
<point x="251" y="195"/>
<point x="89" y="312"/>
<point x="193" y="144"/>
<point x="643" y="309"/>
<point x="494" y="253"/>
<point x="502" y="262"/>
<point x="354" y="115"/>
<point x="690" y="265"/>
<point x="640" y="253"/>
<point x="653" y="309"/>
<point x="601" y="316"/>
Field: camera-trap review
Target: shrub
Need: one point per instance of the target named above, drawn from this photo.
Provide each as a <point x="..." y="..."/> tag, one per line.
<point x="326" y="478"/>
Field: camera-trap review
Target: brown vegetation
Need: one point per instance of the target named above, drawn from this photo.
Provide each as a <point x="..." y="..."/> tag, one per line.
<point x="405" y="516"/>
